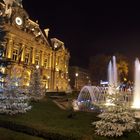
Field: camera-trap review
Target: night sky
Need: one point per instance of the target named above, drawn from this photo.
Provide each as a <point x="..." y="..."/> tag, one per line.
<point x="88" y="29"/>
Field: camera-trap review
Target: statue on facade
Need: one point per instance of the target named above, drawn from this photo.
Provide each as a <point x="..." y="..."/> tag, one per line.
<point x="8" y="9"/>
<point x="9" y="4"/>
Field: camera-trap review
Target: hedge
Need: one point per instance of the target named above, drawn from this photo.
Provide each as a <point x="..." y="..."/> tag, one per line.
<point x="35" y="132"/>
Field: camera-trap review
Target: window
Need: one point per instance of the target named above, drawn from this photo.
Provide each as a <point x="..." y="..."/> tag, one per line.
<point x="37" y="60"/>
<point x="45" y="63"/>
<point x="26" y="58"/>
<point x="48" y="60"/>
<point x="15" y="54"/>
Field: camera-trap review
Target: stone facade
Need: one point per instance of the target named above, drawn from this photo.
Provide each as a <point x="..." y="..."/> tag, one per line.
<point x="27" y="46"/>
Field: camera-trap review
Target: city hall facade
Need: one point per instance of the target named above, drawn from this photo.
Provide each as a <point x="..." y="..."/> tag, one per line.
<point x="27" y="46"/>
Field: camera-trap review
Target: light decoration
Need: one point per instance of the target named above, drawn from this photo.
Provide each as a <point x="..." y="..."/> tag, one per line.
<point x="115" y="119"/>
<point x="36" y="90"/>
<point x="12" y="101"/>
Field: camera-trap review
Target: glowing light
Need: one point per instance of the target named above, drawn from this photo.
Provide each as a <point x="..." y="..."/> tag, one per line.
<point x="124" y="79"/>
<point x="55" y="45"/>
<point x="57" y="69"/>
<point x="3" y="70"/>
<point x="27" y="84"/>
<point x="109" y="103"/>
<point x="37" y="66"/>
<point x="46" y="86"/>
<point x="16" y="83"/>
<point x="136" y="104"/>
<point x="76" y="74"/>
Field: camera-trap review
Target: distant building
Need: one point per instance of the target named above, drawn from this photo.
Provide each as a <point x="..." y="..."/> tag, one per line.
<point x="78" y="77"/>
<point x="28" y="46"/>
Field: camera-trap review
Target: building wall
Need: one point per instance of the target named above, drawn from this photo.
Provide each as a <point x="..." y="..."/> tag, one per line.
<point x="27" y="46"/>
<point x="78" y="77"/>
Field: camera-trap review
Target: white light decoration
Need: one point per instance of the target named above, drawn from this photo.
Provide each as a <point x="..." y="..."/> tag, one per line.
<point x="16" y="83"/>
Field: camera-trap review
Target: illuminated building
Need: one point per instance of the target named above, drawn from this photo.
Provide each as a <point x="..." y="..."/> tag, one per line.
<point x="78" y="77"/>
<point x="27" y="46"/>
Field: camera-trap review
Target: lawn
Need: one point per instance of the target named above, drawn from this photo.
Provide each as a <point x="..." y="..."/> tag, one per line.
<point x="46" y="118"/>
<point x="6" y="134"/>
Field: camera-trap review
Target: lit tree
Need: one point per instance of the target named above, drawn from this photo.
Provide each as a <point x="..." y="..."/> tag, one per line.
<point x="116" y="118"/>
<point x="36" y="88"/>
<point x="12" y="101"/>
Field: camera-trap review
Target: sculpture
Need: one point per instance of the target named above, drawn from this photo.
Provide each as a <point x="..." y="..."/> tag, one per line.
<point x="9" y="4"/>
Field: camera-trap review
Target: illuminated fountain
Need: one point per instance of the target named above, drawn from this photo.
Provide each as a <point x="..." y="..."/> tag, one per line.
<point x="112" y="73"/>
<point x="90" y="95"/>
<point x="136" y="97"/>
<point x="112" y="78"/>
<point x="96" y="94"/>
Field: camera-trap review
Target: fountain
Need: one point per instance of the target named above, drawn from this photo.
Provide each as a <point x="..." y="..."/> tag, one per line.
<point x="112" y="78"/>
<point x="136" y="96"/>
<point x="92" y="94"/>
<point x="112" y="73"/>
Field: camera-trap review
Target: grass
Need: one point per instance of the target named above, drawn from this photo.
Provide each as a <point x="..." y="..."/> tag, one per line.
<point x="6" y="134"/>
<point x="48" y="117"/>
<point x="45" y="115"/>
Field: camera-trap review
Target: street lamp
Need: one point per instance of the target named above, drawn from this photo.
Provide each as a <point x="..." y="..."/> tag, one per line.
<point x="76" y="80"/>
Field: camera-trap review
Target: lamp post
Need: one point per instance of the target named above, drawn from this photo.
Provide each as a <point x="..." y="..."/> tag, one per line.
<point x="76" y="80"/>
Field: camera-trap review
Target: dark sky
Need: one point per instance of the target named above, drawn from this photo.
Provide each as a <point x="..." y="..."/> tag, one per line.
<point x="88" y="29"/>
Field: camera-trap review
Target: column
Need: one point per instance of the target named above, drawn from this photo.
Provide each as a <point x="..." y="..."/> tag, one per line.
<point x="33" y="56"/>
<point x="9" y="48"/>
<point x="51" y="68"/>
<point x="23" y="53"/>
<point x="42" y="58"/>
